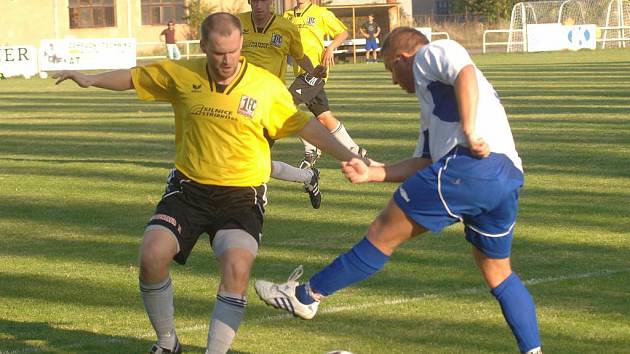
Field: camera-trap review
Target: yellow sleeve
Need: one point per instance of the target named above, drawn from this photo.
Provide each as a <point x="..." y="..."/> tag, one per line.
<point x="332" y="25"/>
<point x="284" y="118"/>
<point x="296" y="50"/>
<point x="152" y="82"/>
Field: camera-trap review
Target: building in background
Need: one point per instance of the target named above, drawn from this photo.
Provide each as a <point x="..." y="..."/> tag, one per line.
<point x="28" y="22"/>
<point x="433" y="10"/>
<point x="144" y="20"/>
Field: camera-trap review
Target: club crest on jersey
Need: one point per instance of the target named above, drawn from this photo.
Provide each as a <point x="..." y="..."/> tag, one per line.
<point x="276" y="40"/>
<point x="247" y="106"/>
<point x="196" y="88"/>
<point x="310" y="20"/>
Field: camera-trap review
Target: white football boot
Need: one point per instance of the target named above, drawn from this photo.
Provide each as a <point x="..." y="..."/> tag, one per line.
<point x="282" y="296"/>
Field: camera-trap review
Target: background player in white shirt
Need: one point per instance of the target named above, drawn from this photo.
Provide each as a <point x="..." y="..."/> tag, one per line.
<point x="465" y="168"/>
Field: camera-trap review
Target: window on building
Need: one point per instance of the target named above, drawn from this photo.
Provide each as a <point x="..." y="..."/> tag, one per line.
<point x="444" y="7"/>
<point x="92" y="13"/>
<point x="160" y="12"/>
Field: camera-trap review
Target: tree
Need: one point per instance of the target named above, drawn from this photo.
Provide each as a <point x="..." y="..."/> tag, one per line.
<point x="197" y="12"/>
<point x="491" y="10"/>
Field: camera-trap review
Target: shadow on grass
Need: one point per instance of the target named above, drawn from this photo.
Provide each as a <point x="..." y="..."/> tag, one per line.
<point x="41" y="337"/>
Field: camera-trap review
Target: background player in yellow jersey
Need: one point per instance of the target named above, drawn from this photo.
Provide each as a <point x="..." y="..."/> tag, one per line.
<point x="268" y="40"/>
<point x="315" y="23"/>
<point x="222" y="106"/>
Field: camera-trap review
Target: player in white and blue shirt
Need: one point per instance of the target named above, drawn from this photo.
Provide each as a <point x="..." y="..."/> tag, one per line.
<point x="465" y="168"/>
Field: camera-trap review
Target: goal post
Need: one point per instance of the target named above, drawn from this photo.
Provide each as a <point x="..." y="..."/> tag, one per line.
<point x="612" y="17"/>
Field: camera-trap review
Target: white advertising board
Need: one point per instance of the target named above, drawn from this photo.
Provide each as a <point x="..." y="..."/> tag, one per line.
<point x="18" y="60"/>
<point x="87" y="54"/>
<point x="545" y="37"/>
<point x="554" y="36"/>
<point x="581" y="36"/>
<point x="426" y="31"/>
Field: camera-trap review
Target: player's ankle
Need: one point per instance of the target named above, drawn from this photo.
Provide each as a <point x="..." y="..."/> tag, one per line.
<point x="306" y="295"/>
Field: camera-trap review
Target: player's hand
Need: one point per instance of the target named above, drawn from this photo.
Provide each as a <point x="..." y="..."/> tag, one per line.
<point x="319" y="71"/>
<point x="355" y="170"/>
<point x="81" y="79"/>
<point x="478" y="146"/>
<point x="329" y="58"/>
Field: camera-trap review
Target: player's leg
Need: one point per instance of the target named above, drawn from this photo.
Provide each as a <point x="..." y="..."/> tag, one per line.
<point x="490" y="231"/>
<point x="170" y="235"/>
<point x="414" y="208"/>
<point x="159" y="246"/>
<point x="390" y="229"/>
<point x="285" y="172"/>
<point x="491" y="251"/>
<point x="235" y="250"/>
<point x="516" y="302"/>
<point x="308" y="176"/>
<point x="235" y="233"/>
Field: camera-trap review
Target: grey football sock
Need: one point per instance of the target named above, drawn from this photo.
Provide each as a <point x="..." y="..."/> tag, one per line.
<point x="341" y="134"/>
<point x="158" y="302"/>
<point x="226" y="318"/>
<point x="286" y="172"/>
<point x="308" y="146"/>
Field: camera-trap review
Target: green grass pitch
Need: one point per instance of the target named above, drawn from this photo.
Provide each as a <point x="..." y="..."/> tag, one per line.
<point x="81" y="171"/>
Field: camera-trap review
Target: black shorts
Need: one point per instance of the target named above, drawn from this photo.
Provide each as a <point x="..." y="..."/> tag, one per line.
<point x="310" y="90"/>
<point x="189" y="209"/>
<point x="319" y="104"/>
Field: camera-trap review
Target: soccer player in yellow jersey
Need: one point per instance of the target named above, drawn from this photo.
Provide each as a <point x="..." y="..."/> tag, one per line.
<point x="224" y="108"/>
<point x="268" y="40"/>
<point x="314" y="23"/>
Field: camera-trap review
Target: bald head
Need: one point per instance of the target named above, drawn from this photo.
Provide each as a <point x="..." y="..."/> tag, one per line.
<point x="221" y="23"/>
<point x="403" y="40"/>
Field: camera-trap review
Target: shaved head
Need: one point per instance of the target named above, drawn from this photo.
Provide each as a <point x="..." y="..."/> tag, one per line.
<point x="221" y="23"/>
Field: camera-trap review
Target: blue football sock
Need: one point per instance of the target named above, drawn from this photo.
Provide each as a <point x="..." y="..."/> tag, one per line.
<point x="358" y="264"/>
<point x="519" y="311"/>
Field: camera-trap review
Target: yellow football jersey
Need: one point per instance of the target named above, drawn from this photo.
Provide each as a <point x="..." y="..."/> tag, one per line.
<point x="270" y="46"/>
<point x="220" y="136"/>
<point x="314" y="23"/>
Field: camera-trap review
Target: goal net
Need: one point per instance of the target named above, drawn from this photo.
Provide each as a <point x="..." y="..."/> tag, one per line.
<point x="612" y="17"/>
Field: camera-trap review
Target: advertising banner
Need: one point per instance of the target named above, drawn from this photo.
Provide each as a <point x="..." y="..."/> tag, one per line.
<point x="581" y="36"/>
<point x="545" y="37"/>
<point x="18" y="60"/>
<point x="87" y="54"/>
<point x="554" y="36"/>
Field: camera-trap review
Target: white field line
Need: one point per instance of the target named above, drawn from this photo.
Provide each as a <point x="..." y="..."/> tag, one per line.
<point x="399" y="301"/>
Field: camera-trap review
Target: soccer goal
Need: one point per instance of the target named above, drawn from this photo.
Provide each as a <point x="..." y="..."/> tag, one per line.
<point x="612" y="17"/>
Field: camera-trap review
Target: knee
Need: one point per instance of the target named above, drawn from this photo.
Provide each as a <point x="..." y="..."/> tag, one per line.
<point x="153" y="263"/>
<point x="495" y="271"/>
<point x="236" y="272"/>
<point x="377" y="236"/>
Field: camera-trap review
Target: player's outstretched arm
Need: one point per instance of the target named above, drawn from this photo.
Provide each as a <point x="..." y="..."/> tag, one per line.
<point x="356" y="170"/>
<point x="117" y="80"/>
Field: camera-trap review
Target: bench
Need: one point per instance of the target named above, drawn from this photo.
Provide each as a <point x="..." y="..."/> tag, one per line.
<point x="350" y="46"/>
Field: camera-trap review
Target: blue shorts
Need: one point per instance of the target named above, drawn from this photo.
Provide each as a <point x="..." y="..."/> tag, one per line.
<point x="482" y="193"/>
<point x="370" y="44"/>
